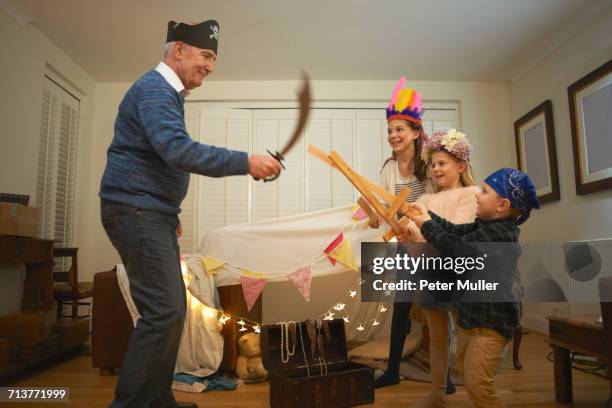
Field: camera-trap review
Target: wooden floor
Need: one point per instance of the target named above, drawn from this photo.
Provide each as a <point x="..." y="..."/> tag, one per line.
<point x="531" y="387"/>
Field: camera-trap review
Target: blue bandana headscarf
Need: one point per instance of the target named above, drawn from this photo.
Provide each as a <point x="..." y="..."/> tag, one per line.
<point x="517" y="187"/>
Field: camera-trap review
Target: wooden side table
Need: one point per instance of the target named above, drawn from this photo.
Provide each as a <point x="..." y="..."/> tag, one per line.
<point x="582" y="334"/>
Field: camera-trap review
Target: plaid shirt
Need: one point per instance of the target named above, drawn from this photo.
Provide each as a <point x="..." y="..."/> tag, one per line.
<point x="458" y="240"/>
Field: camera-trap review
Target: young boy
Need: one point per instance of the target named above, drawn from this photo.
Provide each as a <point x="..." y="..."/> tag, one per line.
<point x="505" y="202"/>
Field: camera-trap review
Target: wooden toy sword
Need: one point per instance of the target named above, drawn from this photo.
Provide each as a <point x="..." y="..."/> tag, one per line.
<point x="304" y="98"/>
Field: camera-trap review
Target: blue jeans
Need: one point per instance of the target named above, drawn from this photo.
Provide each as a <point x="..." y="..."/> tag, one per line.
<point x="146" y="241"/>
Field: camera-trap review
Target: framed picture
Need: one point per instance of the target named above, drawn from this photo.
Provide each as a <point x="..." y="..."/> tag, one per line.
<point x="590" y="104"/>
<point x="536" y="153"/>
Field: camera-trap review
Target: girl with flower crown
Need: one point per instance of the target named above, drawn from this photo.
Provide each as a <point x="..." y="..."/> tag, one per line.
<point x="448" y="155"/>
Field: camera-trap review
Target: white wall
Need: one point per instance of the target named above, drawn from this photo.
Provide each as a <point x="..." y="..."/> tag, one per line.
<point x="574" y="217"/>
<point x="484" y="115"/>
<point x="26" y="53"/>
<point x="102" y="254"/>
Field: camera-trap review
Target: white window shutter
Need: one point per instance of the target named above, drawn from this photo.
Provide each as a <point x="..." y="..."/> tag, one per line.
<point x="307" y="184"/>
<point x="439" y="120"/>
<point x="239" y="124"/>
<point x="372" y="145"/>
<point x="43" y="201"/>
<point x="272" y="129"/>
<point x="291" y="181"/>
<point x="428" y="126"/>
<point x="341" y="133"/>
<point x="55" y="192"/>
<point x="265" y="137"/>
<point x="189" y="206"/>
<point x="221" y="201"/>
<point x="318" y="187"/>
<point x="215" y="202"/>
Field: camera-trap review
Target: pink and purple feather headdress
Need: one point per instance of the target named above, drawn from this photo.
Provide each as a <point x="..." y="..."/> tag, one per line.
<point x="405" y="104"/>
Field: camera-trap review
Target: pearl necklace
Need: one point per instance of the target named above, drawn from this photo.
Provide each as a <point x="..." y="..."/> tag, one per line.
<point x="303" y="350"/>
<point x="285" y="352"/>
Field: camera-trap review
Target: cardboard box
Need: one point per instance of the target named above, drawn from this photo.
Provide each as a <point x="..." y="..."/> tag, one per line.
<point x="28" y="326"/>
<point x="20" y="220"/>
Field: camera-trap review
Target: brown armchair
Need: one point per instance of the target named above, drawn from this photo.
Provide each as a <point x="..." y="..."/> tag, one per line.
<point x="67" y="290"/>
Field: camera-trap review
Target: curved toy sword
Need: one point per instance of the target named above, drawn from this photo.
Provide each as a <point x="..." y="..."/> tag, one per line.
<point x="304" y="98"/>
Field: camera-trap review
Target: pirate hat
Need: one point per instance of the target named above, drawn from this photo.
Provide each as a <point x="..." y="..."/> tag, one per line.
<point x="204" y="35"/>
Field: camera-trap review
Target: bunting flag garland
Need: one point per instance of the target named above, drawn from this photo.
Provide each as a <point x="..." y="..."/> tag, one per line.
<point x="331" y="247"/>
<point x="302" y="279"/>
<point x="251" y="274"/>
<point x="343" y="253"/>
<point x="252" y="288"/>
<point x="359" y="214"/>
<point x="211" y="264"/>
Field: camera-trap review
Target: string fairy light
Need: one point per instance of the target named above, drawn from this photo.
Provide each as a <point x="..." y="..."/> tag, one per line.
<point x="245" y="323"/>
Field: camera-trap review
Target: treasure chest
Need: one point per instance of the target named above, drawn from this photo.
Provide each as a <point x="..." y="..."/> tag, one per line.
<point x="308" y="366"/>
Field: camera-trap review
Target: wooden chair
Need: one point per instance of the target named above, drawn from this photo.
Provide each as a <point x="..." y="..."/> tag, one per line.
<point x="67" y="290"/>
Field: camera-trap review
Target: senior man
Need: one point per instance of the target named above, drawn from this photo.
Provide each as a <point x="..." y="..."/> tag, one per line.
<point x="145" y="180"/>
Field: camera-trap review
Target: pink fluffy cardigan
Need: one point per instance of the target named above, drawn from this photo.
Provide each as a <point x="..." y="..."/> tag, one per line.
<point x="457" y="205"/>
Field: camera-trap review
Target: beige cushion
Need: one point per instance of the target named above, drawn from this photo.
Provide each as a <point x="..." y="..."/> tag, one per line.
<point x="379" y="349"/>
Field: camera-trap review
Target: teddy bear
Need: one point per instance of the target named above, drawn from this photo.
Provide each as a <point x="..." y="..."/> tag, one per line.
<point x="250" y="367"/>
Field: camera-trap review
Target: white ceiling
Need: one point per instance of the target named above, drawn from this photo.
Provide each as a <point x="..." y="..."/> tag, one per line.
<point x="117" y="40"/>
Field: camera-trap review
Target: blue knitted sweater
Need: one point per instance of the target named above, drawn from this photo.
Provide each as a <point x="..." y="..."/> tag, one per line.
<point x="151" y="155"/>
